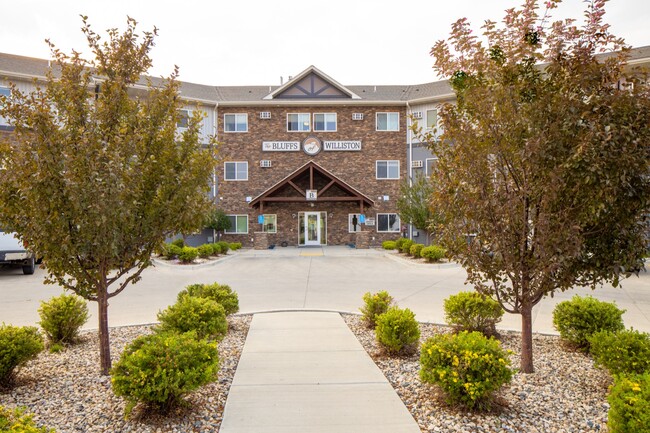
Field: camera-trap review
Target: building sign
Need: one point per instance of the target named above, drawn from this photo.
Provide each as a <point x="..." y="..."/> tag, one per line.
<point x="311" y="194"/>
<point x="311" y="146"/>
<point x="280" y="146"/>
<point x="353" y="146"/>
<point x="370" y="221"/>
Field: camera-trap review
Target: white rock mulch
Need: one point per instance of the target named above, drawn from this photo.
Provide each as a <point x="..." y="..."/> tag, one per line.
<point x="566" y="394"/>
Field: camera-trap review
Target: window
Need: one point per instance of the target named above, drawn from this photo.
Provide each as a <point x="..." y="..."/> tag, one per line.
<point x="236" y="170"/>
<point x="432" y="118"/>
<point x="270" y="224"/>
<point x="387" y="121"/>
<point x="324" y="121"/>
<point x="235" y="122"/>
<point x="431" y="165"/>
<point x="184" y="119"/>
<point x="298" y="122"/>
<point x="238" y="224"/>
<point x="7" y="93"/>
<point x="388" y="169"/>
<point x="354" y="222"/>
<point x="388" y="223"/>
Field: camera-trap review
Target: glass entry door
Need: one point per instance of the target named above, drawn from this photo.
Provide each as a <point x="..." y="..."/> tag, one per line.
<point x="312" y="228"/>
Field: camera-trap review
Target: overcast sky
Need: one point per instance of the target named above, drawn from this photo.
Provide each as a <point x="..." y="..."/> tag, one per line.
<point x="244" y="42"/>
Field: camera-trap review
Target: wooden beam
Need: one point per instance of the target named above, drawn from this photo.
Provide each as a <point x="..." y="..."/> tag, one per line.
<point x="311" y="177"/>
<point x="361" y="205"/>
<point x="301" y="191"/>
<point x="326" y="187"/>
<point x="261" y="206"/>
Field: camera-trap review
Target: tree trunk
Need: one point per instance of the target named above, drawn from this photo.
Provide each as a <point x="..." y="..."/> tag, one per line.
<point x="104" y="345"/>
<point x="526" y="339"/>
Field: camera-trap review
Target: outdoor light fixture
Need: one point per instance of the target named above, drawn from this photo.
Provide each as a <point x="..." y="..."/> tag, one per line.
<point x="293" y="215"/>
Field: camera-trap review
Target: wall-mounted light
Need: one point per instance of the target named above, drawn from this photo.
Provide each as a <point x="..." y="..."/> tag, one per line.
<point x="386" y="198"/>
<point x="249" y="199"/>
<point x="331" y="214"/>
<point x="293" y="215"/>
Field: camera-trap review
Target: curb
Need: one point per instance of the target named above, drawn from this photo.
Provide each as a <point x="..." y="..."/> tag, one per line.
<point x="397" y="258"/>
<point x="165" y="264"/>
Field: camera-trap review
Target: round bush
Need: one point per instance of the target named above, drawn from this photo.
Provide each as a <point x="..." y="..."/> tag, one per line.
<point x="235" y="246"/>
<point x="188" y="254"/>
<point x="374" y="305"/>
<point x="224" y="246"/>
<point x="415" y="250"/>
<point x="159" y="369"/>
<point x="576" y="320"/>
<point x="62" y="317"/>
<point x="389" y="245"/>
<point x="172" y="251"/>
<point x="220" y="293"/>
<point x="468" y="367"/>
<point x="629" y="404"/>
<point x="180" y="242"/>
<point x="397" y="331"/>
<point x="433" y="253"/>
<point x="18" y="421"/>
<point x="18" y="344"/>
<point x="216" y="249"/>
<point x="399" y="242"/>
<point x="204" y="316"/>
<point x="471" y="311"/>
<point x="626" y="351"/>
<point x="205" y="250"/>
<point x="406" y="246"/>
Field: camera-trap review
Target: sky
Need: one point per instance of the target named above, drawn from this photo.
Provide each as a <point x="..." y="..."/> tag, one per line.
<point x="245" y="42"/>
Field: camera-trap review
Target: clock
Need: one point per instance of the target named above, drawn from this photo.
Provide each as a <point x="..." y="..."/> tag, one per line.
<point x="311" y="146"/>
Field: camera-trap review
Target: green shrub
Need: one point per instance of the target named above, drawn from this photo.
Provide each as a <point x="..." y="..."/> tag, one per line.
<point x="626" y="351"/>
<point x="204" y="316"/>
<point x="224" y="246"/>
<point x="471" y="311"/>
<point x="399" y="242"/>
<point x="576" y="320"/>
<point x="17" y="421"/>
<point x="629" y="404"/>
<point x="159" y="369"/>
<point x="220" y="293"/>
<point x="374" y="305"/>
<point x="216" y="249"/>
<point x="406" y="246"/>
<point x="389" y="245"/>
<point x="468" y="367"/>
<point x="205" y="250"/>
<point x="62" y="317"/>
<point x="180" y="242"/>
<point x="172" y="251"/>
<point x="433" y="253"/>
<point x="17" y="346"/>
<point x="235" y="246"/>
<point x="415" y="250"/>
<point x="188" y="254"/>
<point x="397" y="331"/>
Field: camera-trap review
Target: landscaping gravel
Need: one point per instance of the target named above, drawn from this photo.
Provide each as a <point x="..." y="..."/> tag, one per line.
<point x="565" y="394"/>
<point x="65" y="391"/>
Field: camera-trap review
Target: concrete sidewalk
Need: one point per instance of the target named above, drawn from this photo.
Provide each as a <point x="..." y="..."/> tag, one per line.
<point x="307" y="372"/>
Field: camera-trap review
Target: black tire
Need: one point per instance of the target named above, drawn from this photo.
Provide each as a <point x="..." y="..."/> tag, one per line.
<point x="29" y="268"/>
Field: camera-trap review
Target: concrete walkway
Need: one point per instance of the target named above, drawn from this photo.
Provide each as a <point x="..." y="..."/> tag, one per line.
<point x="307" y="372"/>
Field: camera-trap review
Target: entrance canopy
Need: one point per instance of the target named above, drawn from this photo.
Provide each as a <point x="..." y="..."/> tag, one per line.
<point x="311" y="183"/>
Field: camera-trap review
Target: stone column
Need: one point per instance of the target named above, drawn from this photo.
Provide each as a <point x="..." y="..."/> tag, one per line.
<point x="362" y="241"/>
<point x="261" y="241"/>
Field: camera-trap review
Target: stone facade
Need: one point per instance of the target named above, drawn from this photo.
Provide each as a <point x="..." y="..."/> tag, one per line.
<point x="356" y="168"/>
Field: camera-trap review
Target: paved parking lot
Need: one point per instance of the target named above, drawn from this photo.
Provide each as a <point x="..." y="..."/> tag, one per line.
<point x="331" y="278"/>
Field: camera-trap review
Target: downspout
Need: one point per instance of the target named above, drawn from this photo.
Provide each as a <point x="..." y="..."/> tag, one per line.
<point x="410" y="158"/>
<point x="215" y="116"/>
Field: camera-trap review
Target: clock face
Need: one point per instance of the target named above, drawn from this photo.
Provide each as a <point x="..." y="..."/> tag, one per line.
<point x="311" y="146"/>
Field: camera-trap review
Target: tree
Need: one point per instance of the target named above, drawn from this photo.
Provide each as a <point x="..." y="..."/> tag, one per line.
<point x="219" y="221"/>
<point x="97" y="175"/>
<point x="543" y="156"/>
<point x="414" y="203"/>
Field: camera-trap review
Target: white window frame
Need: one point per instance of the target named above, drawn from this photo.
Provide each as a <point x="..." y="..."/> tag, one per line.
<point x="236" y="232"/>
<point x="245" y="115"/>
<point x="387" y="161"/>
<point x="275" y="223"/>
<point x="426" y="165"/>
<point x="187" y="119"/>
<point x="7" y="93"/>
<point x="435" y="125"/>
<point x="387" y="122"/>
<point x="399" y="223"/>
<point x="336" y="125"/>
<point x="350" y="215"/>
<point x="299" y="122"/>
<point x="236" y="163"/>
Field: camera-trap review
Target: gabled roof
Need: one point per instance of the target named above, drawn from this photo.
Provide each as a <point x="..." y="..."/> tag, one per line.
<point x="310" y="73"/>
<point x="352" y="194"/>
